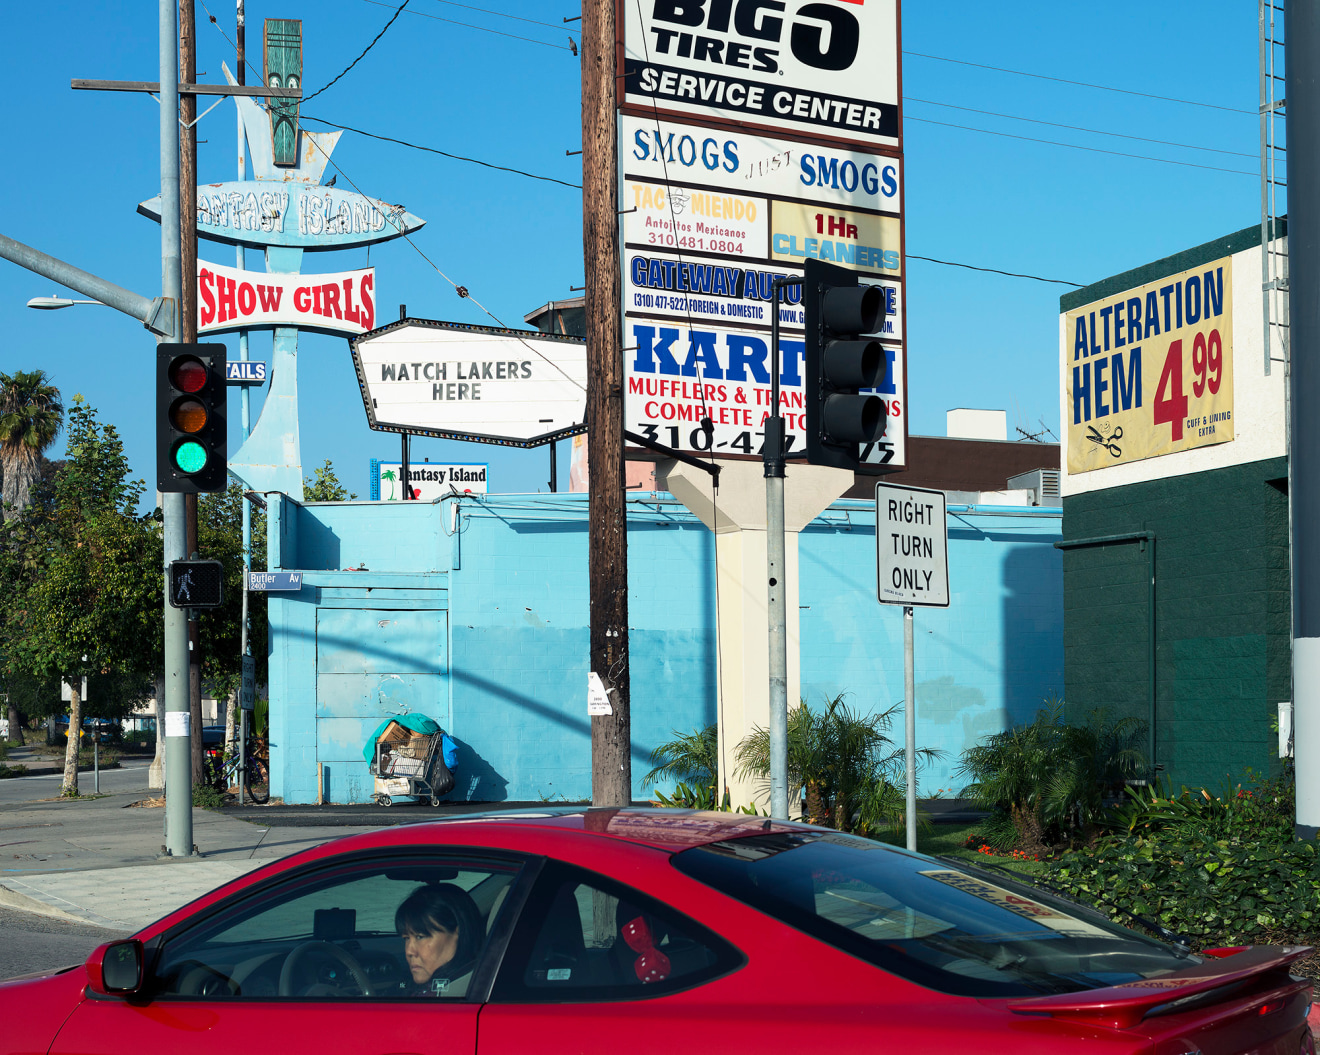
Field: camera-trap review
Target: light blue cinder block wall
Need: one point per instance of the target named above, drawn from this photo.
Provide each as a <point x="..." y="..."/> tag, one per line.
<point x="986" y="662"/>
<point x="474" y="611"/>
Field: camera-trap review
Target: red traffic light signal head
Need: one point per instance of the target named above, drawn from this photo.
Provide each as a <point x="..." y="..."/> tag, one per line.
<point x="191" y="442"/>
<point x="188" y="373"/>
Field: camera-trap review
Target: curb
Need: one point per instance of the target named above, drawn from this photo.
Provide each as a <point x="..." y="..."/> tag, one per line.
<point x="29" y="899"/>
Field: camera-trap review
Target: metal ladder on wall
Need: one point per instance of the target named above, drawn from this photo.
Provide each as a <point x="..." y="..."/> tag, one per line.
<point x="1273" y="186"/>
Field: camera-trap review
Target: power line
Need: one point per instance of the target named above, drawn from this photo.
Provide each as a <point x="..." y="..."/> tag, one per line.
<point x="1080" y="128"/>
<point x="1082" y="84"/>
<point x="1077" y="146"/>
<point x="308" y="98"/>
<point x="994" y="271"/>
<point x="462" y="291"/>
<point x="469" y="25"/>
<point x="442" y="153"/>
<point x="517" y="18"/>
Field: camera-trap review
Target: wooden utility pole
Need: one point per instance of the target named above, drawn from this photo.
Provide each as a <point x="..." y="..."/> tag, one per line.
<point x="188" y="324"/>
<point x="611" y="735"/>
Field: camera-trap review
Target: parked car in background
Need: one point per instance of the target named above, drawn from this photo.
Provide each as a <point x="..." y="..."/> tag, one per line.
<point x="105" y="730"/>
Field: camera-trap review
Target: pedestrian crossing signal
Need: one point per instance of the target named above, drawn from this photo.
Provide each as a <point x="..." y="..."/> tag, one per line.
<point x="197" y="583"/>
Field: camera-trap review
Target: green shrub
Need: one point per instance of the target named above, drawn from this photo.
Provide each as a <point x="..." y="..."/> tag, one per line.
<point x="1225" y="891"/>
<point x="12" y="771"/>
<point x="207" y="797"/>
<point x="1046" y="782"/>
<point x="1254" y="809"/>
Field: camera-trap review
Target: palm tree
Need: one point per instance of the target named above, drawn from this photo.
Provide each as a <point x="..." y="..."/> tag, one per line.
<point x="689" y="757"/>
<point x="30" y="418"/>
<point x="851" y="771"/>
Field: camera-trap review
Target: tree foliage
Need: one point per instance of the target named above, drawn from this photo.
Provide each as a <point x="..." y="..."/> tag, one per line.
<point x="82" y="572"/>
<point x="220" y="537"/>
<point x="31" y="415"/>
<point x="325" y="487"/>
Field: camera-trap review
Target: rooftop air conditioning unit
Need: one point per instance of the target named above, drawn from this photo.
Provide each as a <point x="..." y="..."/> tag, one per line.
<point x="1043" y="482"/>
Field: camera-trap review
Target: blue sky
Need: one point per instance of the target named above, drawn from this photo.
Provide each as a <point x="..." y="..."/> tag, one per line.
<point x="79" y="162"/>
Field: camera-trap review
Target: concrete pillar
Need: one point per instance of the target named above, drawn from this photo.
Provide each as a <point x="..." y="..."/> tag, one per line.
<point x="736" y="513"/>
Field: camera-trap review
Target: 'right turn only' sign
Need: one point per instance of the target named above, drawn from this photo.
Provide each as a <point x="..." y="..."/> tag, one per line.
<point x="912" y="546"/>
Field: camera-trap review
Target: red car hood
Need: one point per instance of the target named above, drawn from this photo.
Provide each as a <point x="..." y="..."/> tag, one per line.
<point x="1123" y="1006"/>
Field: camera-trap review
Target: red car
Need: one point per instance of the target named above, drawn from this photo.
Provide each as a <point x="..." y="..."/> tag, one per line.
<point x="646" y="932"/>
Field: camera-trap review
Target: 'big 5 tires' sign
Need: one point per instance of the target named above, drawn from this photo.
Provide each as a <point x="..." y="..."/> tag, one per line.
<point x="822" y="69"/>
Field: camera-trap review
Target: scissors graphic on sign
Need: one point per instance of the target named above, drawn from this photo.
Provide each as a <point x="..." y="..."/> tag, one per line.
<point x="1107" y="443"/>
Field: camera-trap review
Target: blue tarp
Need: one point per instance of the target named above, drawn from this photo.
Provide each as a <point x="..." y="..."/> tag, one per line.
<point x="420" y="724"/>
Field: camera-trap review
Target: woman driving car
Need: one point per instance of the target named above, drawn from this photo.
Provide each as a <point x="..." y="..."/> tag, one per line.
<point x="441" y="930"/>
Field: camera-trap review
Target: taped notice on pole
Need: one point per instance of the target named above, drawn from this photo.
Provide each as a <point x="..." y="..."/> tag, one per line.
<point x="598" y="699"/>
<point x="177" y="723"/>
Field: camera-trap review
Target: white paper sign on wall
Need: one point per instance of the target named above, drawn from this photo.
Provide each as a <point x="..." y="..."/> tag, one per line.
<point x="598" y="699"/>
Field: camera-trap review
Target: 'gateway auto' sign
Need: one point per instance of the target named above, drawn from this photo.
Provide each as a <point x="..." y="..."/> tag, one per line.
<point x="819" y="69"/>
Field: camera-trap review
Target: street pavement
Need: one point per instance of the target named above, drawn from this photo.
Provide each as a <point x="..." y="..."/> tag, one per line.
<point x="98" y="861"/>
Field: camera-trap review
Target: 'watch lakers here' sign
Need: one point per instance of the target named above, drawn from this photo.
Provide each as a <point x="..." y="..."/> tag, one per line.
<point x="1150" y="371"/>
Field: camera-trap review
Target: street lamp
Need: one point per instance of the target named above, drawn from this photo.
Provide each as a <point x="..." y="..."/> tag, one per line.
<point x="53" y="303"/>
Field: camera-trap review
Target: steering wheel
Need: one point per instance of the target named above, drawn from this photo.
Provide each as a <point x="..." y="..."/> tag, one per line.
<point x="307" y="948"/>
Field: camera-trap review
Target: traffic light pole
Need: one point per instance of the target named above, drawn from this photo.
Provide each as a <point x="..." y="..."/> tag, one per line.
<point x="178" y="760"/>
<point x="777" y="572"/>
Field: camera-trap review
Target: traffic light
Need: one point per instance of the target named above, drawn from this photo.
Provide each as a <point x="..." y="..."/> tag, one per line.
<point x="197" y="583"/>
<point x="839" y="362"/>
<point x="191" y="436"/>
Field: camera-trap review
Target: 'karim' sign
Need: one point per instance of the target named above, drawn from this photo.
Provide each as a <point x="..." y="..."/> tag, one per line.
<point x="230" y="299"/>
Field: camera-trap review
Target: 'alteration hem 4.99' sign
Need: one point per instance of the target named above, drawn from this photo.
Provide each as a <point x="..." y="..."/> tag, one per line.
<point x="1149" y="371"/>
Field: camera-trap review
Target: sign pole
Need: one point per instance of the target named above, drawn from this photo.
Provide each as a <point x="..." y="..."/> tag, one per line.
<point x="776" y="575"/>
<point x="607" y="544"/>
<point x="912" y="570"/>
<point x="910" y="726"/>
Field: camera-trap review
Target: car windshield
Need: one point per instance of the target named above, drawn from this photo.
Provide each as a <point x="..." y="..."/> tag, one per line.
<point x="944" y="928"/>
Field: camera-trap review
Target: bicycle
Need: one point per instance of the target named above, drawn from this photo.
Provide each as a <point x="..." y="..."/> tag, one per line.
<point x="250" y="771"/>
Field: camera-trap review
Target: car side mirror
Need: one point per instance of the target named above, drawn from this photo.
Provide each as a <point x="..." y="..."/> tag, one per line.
<point x="115" y="969"/>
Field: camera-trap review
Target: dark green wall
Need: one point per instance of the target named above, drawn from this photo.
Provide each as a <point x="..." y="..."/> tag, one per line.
<point x="1222" y="614"/>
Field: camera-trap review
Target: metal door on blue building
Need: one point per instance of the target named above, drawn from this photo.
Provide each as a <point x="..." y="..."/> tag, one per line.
<point x="373" y="664"/>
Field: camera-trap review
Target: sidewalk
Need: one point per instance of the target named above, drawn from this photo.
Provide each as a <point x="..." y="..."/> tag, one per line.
<point x="98" y="860"/>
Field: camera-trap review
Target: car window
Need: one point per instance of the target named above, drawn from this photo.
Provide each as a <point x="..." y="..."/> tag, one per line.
<point x="401" y="929"/>
<point x="583" y="937"/>
<point x="948" y="929"/>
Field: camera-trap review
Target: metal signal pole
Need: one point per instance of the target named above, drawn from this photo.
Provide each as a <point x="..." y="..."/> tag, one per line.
<point x="178" y="761"/>
<point x="188" y="323"/>
<point x="246" y="397"/>
<point x="611" y="734"/>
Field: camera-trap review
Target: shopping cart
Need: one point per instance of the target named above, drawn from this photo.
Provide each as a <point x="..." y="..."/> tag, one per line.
<point x="411" y="765"/>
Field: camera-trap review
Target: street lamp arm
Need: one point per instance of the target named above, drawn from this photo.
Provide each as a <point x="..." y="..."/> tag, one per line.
<point x="157" y="315"/>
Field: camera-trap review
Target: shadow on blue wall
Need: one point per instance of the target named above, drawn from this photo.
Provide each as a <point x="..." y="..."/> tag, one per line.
<point x="475" y="779"/>
<point x="318" y="544"/>
<point x="1033" y="633"/>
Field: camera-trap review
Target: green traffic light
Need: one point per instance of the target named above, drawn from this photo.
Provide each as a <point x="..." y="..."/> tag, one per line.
<point x="190" y="457"/>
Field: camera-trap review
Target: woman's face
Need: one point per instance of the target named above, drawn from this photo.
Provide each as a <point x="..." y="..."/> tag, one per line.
<point x="426" y="953"/>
